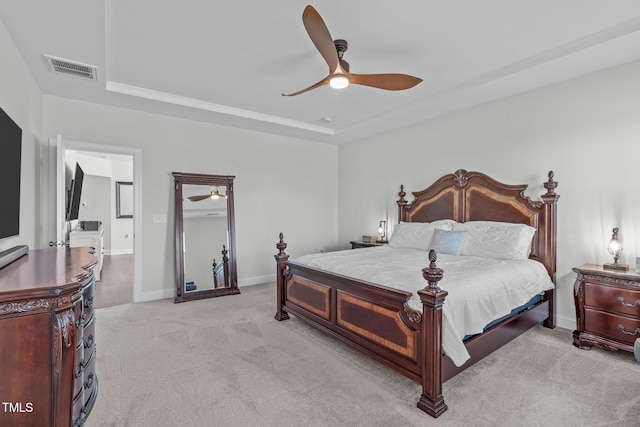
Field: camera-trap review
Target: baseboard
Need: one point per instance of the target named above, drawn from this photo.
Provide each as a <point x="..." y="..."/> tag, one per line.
<point x="171" y="293"/>
<point x="153" y="296"/>
<point x="248" y="281"/>
<point x="566" y="322"/>
<point x="118" y="252"/>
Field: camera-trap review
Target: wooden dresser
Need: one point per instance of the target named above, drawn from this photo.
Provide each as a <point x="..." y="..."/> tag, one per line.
<point x="47" y="338"/>
<point x="607" y="308"/>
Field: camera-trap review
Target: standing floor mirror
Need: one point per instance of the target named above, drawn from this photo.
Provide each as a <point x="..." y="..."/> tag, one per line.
<point x="204" y="236"/>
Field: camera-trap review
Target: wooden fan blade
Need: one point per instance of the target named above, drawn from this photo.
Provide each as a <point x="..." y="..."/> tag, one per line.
<point x="198" y="198"/>
<point x="322" y="82"/>
<point x="320" y="37"/>
<point x="385" y="81"/>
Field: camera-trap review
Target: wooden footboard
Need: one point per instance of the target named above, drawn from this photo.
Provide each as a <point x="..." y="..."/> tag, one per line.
<point x="374" y="319"/>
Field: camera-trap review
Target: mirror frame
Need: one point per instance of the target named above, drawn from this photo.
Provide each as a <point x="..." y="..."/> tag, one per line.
<point x="181" y="178"/>
<point x="124" y="199"/>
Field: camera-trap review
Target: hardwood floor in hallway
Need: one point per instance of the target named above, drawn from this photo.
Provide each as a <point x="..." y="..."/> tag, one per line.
<point x="116" y="281"/>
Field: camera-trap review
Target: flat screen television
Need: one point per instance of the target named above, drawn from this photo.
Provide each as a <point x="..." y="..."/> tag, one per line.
<point x="73" y="205"/>
<point x="10" y="163"/>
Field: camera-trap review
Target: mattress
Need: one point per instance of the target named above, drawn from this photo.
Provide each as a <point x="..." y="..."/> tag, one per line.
<point x="481" y="290"/>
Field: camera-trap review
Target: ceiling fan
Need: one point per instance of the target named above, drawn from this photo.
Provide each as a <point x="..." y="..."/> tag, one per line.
<point x="332" y="51"/>
<point x="214" y="194"/>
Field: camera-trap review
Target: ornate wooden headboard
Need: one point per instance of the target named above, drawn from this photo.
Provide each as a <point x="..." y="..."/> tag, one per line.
<point x="473" y="196"/>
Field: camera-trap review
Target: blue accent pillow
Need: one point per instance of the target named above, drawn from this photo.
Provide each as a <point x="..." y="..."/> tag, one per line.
<point x="447" y="242"/>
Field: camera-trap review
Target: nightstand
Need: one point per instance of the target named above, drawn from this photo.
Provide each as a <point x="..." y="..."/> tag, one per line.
<point x="357" y="244"/>
<point x="607" y="308"/>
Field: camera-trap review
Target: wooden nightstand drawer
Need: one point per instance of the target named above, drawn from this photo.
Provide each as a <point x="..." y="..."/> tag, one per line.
<point x="617" y="300"/>
<point x="619" y="328"/>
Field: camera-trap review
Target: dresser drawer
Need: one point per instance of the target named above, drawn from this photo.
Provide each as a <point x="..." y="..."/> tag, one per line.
<point x="87" y="302"/>
<point x="79" y="412"/>
<point x="84" y="365"/>
<point x="78" y="320"/>
<point x="77" y="379"/>
<point x="89" y="379"/>
<point x="89" y="336"/>
<point x="619" y="328"/>
<point x="618" y="300"/>
<point x="76" y="413"/>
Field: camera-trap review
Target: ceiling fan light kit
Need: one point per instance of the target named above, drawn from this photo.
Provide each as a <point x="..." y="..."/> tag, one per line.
<point x="339" y="81"/>
<point x="332" y="51"/>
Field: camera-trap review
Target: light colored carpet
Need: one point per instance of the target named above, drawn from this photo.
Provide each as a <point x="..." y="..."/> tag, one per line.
<point x="227" y="362"/>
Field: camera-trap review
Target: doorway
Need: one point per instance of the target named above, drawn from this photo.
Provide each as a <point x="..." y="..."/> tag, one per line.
<point x="105" y="168"/>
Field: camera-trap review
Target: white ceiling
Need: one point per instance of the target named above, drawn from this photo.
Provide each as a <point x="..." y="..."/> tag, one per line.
<point x="228" y="62"/>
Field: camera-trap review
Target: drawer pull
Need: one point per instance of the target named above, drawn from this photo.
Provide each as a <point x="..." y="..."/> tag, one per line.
<point x="89" y="342"/>
<point x="83" y="365"/>
<point x="80" y="321"/>
<point x="636" y="332"/>
<point x="83" y="417"/>
<point x="628" y="305"/>
<point x="89" y="383"/>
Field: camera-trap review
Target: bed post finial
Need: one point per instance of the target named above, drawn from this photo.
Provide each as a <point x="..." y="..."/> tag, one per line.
<point x="401" y="194"/>
<point x="402" y="204"/>
<point x="281" y="245"/>
<point x="432" y="297"/>
<point x="551" y="186"/>
<point x="432" y="274"/>
<point x="281" y="267"/>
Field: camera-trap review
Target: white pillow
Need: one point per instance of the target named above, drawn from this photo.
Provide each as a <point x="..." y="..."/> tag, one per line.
<point x="498" y="240"/>
<point x="415" y="235"/>
<point x="444" y="222"/>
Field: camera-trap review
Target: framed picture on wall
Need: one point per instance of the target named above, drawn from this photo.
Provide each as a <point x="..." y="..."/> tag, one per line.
<point x="124" y="199"/>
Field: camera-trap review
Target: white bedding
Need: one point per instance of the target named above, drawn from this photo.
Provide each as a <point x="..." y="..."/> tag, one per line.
<point x="480" y="289"/>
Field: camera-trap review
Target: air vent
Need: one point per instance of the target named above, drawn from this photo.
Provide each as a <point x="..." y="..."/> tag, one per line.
<point x="71" y="68"/>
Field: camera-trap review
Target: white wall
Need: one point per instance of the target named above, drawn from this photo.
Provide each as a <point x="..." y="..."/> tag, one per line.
<point x="282" y="184"/>
<point x="21" y="99"/>
<point x="586" y="130"/>
<point x="121" y="228"/>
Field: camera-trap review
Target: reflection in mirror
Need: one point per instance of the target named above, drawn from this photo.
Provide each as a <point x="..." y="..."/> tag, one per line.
<point x="205" y="236"/>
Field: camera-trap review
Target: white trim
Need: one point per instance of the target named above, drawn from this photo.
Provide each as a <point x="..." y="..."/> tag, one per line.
<point x="171" y="293"/>
<point x="210" y="106"/>
<point x="256" y="280"/>
<point x="157" y="295"/>
<point x="566" y="322"/>
<point x="119" y="252"/>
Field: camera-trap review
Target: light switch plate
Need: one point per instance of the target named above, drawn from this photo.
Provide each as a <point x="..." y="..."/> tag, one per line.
<point x="159" y="219"/>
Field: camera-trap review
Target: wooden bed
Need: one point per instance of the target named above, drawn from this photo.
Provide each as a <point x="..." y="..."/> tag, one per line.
<point x="378" y="321"/>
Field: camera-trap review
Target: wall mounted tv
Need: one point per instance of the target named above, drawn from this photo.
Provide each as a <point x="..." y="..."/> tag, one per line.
<point x="10" y="162"/>
<point x="74" y="193"/>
